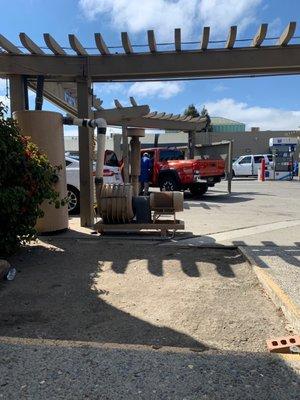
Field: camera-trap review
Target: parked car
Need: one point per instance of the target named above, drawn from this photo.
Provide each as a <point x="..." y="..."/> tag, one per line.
<point x="170" y="171"/>
<point x="248" y="165"/>
<point x="111" y="174"/>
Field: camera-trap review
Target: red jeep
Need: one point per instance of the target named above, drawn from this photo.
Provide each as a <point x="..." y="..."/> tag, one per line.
<point x="170" y="171"/>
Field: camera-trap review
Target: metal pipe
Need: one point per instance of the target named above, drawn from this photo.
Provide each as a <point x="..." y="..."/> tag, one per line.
<point x="101" y="126"/>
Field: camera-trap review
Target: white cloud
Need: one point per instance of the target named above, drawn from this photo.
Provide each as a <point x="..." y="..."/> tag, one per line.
<point x="164" y="15"/>
<point x="106" y="88"/>
<point x="267" y="118"/>
<point x="163" y="90"/>
<point x="275" y="27"/>
<point x="220" y="14"/>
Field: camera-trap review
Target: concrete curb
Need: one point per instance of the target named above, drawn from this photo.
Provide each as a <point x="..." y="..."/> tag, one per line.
<point x="279" y="297"/>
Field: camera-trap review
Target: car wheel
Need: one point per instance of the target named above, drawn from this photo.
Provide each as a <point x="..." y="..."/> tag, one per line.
<point x="168" y="184"/>
<point x="73" y="200"/>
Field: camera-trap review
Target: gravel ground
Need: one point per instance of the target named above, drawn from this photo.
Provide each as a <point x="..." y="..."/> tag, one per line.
<point x="182" y="323"/>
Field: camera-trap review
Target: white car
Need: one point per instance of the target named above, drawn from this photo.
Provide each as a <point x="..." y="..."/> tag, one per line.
<point x="111" y="174"/>
<point x="248" y="165"/>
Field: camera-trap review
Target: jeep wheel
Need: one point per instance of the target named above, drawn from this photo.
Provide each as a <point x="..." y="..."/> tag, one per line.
<point x="73" y="200"/>
<point x="198" y="189"/>
<point x="168" y="184"/>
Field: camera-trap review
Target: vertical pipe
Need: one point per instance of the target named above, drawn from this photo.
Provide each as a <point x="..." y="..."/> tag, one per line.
<point x="85" y="155"/>
<point x="229" y="167"/>
<point x="25" y="88"/>
<point x="135" y="155"/>
<point x="101" y="139"/>
<point x="125" y="153"/>
<point x="39" y="92"/>
<point x="191" y="144"/>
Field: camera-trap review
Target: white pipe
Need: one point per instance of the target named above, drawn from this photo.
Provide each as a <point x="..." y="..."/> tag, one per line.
<point x="101" y="126"/>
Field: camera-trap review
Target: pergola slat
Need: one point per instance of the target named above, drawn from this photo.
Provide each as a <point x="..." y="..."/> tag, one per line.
<point x="126" y="43"/>
<point x="287" y="34"/>
<point x="175" y="117"/>
<point x="52" y="44"/>
<point x="152" y="41"/>
<point x="160" y="115"/>
<point x="205" y="37"/>
<point x="8" y="46"/>
<point x="118" y="104"/>
<point x="29" y="44"/>
<point x="97" y="103"/>
<point x="100" y="43"/>
<point x="231" y="37"/>
<point x="260" y="35"/>
<point x="132" y="101"/>
<point x="167" y="116"/>
<point x="177" y="36"/>
<point x="77" y="46"/>
<point x="151" y="114"/>
<point x="186" y="118"/>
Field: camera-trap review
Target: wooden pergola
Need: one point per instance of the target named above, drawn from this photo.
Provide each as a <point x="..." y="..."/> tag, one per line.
<point x="38" y="65"/>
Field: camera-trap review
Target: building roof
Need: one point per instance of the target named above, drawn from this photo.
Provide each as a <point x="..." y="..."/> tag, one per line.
<point x="224" y="121"/>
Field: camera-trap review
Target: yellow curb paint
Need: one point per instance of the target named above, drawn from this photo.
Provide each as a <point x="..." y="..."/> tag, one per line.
<point x="293" y="358"/>
<point x="268" y="282"/>
<point x="286" y="300"/>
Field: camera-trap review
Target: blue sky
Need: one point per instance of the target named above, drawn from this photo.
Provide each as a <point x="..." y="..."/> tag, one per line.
<point x="271" y="102"/>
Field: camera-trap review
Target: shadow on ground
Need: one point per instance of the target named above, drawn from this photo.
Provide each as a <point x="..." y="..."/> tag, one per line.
<point x="52" y="295"/>
<point x="53" y="298"/>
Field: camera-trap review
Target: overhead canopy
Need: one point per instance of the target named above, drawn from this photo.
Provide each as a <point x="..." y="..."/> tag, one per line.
<point x="67" y="64"/>
<point x="135" y="116"/>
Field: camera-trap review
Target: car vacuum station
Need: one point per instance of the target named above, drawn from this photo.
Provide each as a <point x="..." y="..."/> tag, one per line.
<point x="119" y="205"/>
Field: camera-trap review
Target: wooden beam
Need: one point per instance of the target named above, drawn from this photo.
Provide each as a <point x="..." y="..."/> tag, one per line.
<point x="85" y="155"/>
<point x="231" y="37"/>
<point x="216" y="63"/>
<point x="169" y="124"/>
<point x="29" y="44"/>
<point x="126" y="43"/>
<point x="152" y="41"/>
<point x="175" y="117"/>
<point x="119" y="116"/>
<point x="177" y="37"/>
<point x="8" y="46"/>
<point x="77" y="46"/>
<point x="52" y="44"/>
<point x="287" y="34"/>
<point x="260" y="35"/>
<point x="100" y="43"/>
<point x="205" y="37"/>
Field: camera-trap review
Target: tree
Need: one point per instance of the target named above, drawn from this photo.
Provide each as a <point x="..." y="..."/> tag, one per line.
<point x="192" y="111"/>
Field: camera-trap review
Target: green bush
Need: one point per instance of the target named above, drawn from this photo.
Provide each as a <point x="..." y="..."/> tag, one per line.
<point x="26" y="180"/>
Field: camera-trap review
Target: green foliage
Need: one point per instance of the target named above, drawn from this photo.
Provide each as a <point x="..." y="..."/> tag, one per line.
<point x="26" y="180"/>
<point x="192" y="111"/>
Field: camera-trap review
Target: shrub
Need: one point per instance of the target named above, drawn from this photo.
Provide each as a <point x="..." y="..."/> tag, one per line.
<point x="26" y="180"/>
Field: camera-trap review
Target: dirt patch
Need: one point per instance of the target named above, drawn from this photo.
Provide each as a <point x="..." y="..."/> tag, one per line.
<point x="133" y="293"/>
